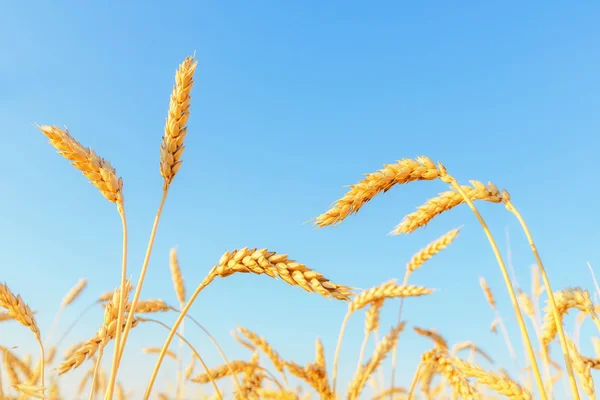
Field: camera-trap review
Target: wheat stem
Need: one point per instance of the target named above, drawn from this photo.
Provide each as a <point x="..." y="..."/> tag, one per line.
<point x="561" y="333"/>
<point x="415" y="379"/>
<point x="521" y="322"/>
<point x="211" y="276"/>
<point x="138" y="288"/>
<point x="395" y="351"/>
<point x="216" y="344"/>
<point x="191" y="348"/>
<point x="95" y="373"/>
<point x="122" y="298"/>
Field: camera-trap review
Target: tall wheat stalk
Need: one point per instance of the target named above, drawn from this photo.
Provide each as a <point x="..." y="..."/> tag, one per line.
<point x="102" y="175"/>
<point x="561" y="333"/>
<point x="447" y="178"/>
<point x="170" y="154"/>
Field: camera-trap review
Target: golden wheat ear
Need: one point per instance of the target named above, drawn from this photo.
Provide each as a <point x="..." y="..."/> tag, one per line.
<point x="171" y="149"/>
<point x="99" y="171"/>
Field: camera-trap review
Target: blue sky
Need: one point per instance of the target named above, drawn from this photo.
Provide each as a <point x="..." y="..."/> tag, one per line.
<point x="294" y="100"/>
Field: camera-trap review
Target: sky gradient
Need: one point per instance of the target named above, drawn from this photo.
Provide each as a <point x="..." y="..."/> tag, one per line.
<point x="293" y="101"/>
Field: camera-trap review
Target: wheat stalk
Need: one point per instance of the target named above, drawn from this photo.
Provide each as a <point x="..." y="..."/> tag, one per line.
<point x="561" y="334"/>
<point x="449" y="179"/>
<point x="171" y="150"/>
<point x="258" y="262"/>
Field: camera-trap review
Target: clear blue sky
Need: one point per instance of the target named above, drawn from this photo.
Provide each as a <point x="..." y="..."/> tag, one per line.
<point x="294" y="100"/>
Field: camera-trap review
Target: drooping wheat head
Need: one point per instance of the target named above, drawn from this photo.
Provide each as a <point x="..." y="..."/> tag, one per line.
<point x="99" y="171"/>
<point x="263" y="261"/>
<point x="402" y="172"/>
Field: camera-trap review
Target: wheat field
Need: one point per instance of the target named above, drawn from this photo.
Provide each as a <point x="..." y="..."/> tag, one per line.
<point x="446" y="371"/>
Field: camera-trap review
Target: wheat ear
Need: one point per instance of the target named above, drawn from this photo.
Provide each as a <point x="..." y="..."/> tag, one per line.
<point x="69" y="298"/>
<point x="266" y="348"/>
<point x="20" y="312"/>
<point x="500" y="384"/>
<point x="446" y="201"/>
<point x="489" y="297"/>
<point x="416" y="262"/>
<point x="402" y="172"/>
<point x="371" y="324"/>
<point x="99" y="171"/>
<point x="363" y="373"/>
<point x="179" y="286"/>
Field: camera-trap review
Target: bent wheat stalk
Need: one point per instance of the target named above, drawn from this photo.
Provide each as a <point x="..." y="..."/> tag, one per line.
<point x="449" y="179"/>
<point x="191" y="348"/>
<point x="102" y="175"/>
<point x="257" y="262"/>
<point x="561" y="333"/>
